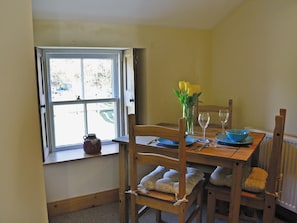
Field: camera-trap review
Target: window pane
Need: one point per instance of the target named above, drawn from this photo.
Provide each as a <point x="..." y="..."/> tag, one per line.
<point x="97" y="78"/>
<point x="69" y="124"/>
<point x="65" y="79"/>
<point x="101" y="120"/>
<point x="83" y="94"/>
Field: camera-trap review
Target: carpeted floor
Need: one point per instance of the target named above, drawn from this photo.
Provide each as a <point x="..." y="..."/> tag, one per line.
<point x="109" y="214"/>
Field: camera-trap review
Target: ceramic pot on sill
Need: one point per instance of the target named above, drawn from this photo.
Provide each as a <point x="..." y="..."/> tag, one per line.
<point x="92" y="145"/>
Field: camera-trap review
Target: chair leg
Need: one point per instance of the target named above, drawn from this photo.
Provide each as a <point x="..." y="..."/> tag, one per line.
<point x="269" y="210"/>
<point x="158" y="216"/>
<point x="211" y="206"/>
<point x="199" y="204"/>
<point x="134" y="210"/>
<point x="182" y="213"/>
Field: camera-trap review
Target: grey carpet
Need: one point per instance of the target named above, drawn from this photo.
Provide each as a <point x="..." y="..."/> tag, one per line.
<point x="109" y="214"/>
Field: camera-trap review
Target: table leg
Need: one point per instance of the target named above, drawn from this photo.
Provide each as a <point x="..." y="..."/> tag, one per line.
<point x="123" y="181"/>
<point x="235" y="192"/>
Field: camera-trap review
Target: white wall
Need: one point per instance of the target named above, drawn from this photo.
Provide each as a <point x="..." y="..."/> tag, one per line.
<point x="22" y="190"/>
<point x="81" y="177"/>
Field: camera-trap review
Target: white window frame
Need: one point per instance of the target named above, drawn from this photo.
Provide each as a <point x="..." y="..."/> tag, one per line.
<point x="46" y="104"/>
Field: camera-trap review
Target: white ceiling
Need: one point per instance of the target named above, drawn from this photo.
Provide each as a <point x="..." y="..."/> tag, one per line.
<point x="202" y="14"/>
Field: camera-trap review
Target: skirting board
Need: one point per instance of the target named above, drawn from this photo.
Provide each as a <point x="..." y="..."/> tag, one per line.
<point x="78" y="203"/>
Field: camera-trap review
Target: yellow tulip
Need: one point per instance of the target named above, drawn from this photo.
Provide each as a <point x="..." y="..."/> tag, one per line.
<point x="182" y="85"/>
<point x="190" y="90"/>
<point x="193" y="88"/>
<point x="187" y="85"/>
<point x="197" y="88"/>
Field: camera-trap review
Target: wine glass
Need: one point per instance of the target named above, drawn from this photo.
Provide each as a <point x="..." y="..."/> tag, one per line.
<point x="224" y="116"/>
<point x="203" y="120"/>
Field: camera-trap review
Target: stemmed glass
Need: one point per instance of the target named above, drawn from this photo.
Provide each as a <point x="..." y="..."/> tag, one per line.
<point x="224" y="116"/>
<point x="203" y="120"/>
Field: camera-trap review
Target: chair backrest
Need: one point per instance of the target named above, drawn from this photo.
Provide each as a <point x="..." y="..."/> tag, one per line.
<point x="214" y="114"/>
<point x="276" y="153"/>
<point x="149" y="154"/>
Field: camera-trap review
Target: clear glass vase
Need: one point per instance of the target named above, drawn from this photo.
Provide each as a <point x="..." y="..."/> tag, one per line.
<point x="188" y="114"/>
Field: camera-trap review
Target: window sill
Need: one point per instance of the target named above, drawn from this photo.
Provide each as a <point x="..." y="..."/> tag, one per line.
<point x="79" y="154"/>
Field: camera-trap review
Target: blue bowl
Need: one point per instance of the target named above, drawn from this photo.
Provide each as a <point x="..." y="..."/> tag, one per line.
<point x="237" y="135"/>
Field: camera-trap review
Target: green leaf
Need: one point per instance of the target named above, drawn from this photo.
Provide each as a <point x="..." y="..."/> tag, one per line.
<point x="184" y="98"/>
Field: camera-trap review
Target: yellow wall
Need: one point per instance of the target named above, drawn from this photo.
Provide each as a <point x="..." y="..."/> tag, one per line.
<point x="251" y="56"/>
<point x="22" y="192"/>
<point x="172" y="55"/>
<point x="254" y="61"/>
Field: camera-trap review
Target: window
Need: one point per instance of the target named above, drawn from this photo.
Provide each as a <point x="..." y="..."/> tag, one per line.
<point x="80" y="92"/>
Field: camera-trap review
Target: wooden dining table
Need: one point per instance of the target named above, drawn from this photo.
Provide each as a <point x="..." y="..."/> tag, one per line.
<point x="233" y="157"/>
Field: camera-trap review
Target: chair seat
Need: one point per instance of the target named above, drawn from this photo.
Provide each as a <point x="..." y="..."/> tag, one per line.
<point x="248" y="199"/>
<point x="253" y="180"/>
<point x="166" y="180"/>
<point x="159" y="195"/>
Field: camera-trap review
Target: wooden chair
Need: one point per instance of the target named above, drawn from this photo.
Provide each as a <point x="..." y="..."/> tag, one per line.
<point x="214" y="114"/>
<point x="264" y="200"/>
<point x="174" y="159"/>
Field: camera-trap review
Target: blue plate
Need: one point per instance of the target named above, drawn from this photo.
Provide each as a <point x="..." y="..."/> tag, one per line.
<point x="223" y="139"/>
<point x="171" y="143"/>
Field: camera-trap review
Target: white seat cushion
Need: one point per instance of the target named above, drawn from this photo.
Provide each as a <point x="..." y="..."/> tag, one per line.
<point x="148" y="181"/>
<point x="253" y="180"/>
<point x="166" y="180"/>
